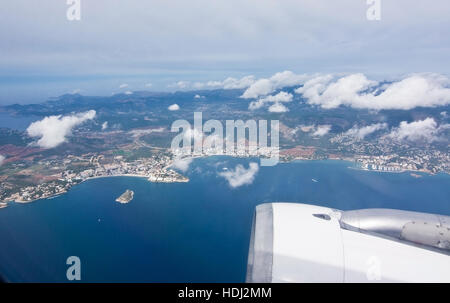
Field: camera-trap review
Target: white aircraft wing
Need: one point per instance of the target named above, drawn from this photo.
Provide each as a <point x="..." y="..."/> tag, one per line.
<point x="305" y="243"/>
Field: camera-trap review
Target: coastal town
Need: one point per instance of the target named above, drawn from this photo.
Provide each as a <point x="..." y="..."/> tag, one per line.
<point x="72" y="170"/>
<point x="391" y="156"/>
<point x="417" y="163"/>
<point x="77" y="169"/>
<point x="414" y="160"/>
<point x="29" y="178"/>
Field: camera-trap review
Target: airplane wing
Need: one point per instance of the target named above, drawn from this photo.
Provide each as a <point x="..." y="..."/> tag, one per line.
<point x="293" y="242"/>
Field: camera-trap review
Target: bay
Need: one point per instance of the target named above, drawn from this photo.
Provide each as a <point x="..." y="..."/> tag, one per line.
<point x="186" y="232"/>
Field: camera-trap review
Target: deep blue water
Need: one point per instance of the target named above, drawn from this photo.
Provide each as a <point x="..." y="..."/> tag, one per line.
<point x="16" y="122"/>
<point x="186" y="232"/>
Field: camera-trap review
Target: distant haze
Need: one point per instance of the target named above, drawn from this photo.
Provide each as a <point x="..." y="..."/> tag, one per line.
<point x="156" y="44"/>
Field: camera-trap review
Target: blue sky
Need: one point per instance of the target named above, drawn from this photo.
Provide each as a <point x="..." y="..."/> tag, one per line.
<point x="161" y="42"/>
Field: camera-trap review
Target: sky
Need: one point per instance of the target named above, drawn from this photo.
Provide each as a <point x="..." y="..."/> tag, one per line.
<point x="130" y="45"/>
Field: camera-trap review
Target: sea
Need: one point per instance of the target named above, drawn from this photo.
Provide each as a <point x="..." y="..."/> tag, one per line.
<point x="16" y="122"/>
<point x="187" y="232"/>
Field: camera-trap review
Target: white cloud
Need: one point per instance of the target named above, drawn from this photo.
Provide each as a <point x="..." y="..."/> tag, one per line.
<point x="180" y="85"/>
<point x="422" y="130"/>
<point x="105" y="125"/>
<point x="198" y="97"/>
<point x="75" y="91"/>
<point x="278" y="108"/>
<point x="239" y="36"/>
<point x="148" y="85"/>
<point x="140" y="132"/>
<point x="228" y="83"/>
<point x="265" y="86"/>
<point x="307" y="128"/>
<point x="182" y="164"/>
<point x="2" y="158"/>
<point x="128" y="92"/>
<point x="240" y="176"/>
<point x="255" y="105"/>
<point x="232" y="83"/>
<point x="280" y="97"/>
<point x="427" y="90"/>
<point x="361" y="133"/>
<point x="173" y="107"/>
<point x="314" y="130"/>
<point x="321" y="130"/>
<point x="53" y="130"/>
<point x="123" y="85"/>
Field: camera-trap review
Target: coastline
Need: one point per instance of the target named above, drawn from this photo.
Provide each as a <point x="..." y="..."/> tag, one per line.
<point x="84" y="180"/>
<point x="112" y="176"/>
<point x="354" y="162"/>
<point x="412" y="172"/>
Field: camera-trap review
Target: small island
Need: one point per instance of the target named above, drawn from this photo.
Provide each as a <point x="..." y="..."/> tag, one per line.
<point x="126" y="197"/>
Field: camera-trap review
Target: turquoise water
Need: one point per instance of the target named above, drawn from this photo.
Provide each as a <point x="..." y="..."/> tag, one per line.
<point x="186" y="232"/>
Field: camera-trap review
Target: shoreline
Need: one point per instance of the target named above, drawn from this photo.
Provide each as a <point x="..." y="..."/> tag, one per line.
<point x="87" y="179"/>
<point x="411" y="171"/>
<point x="112" y="176"/>
<point x="284" y="161"/>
